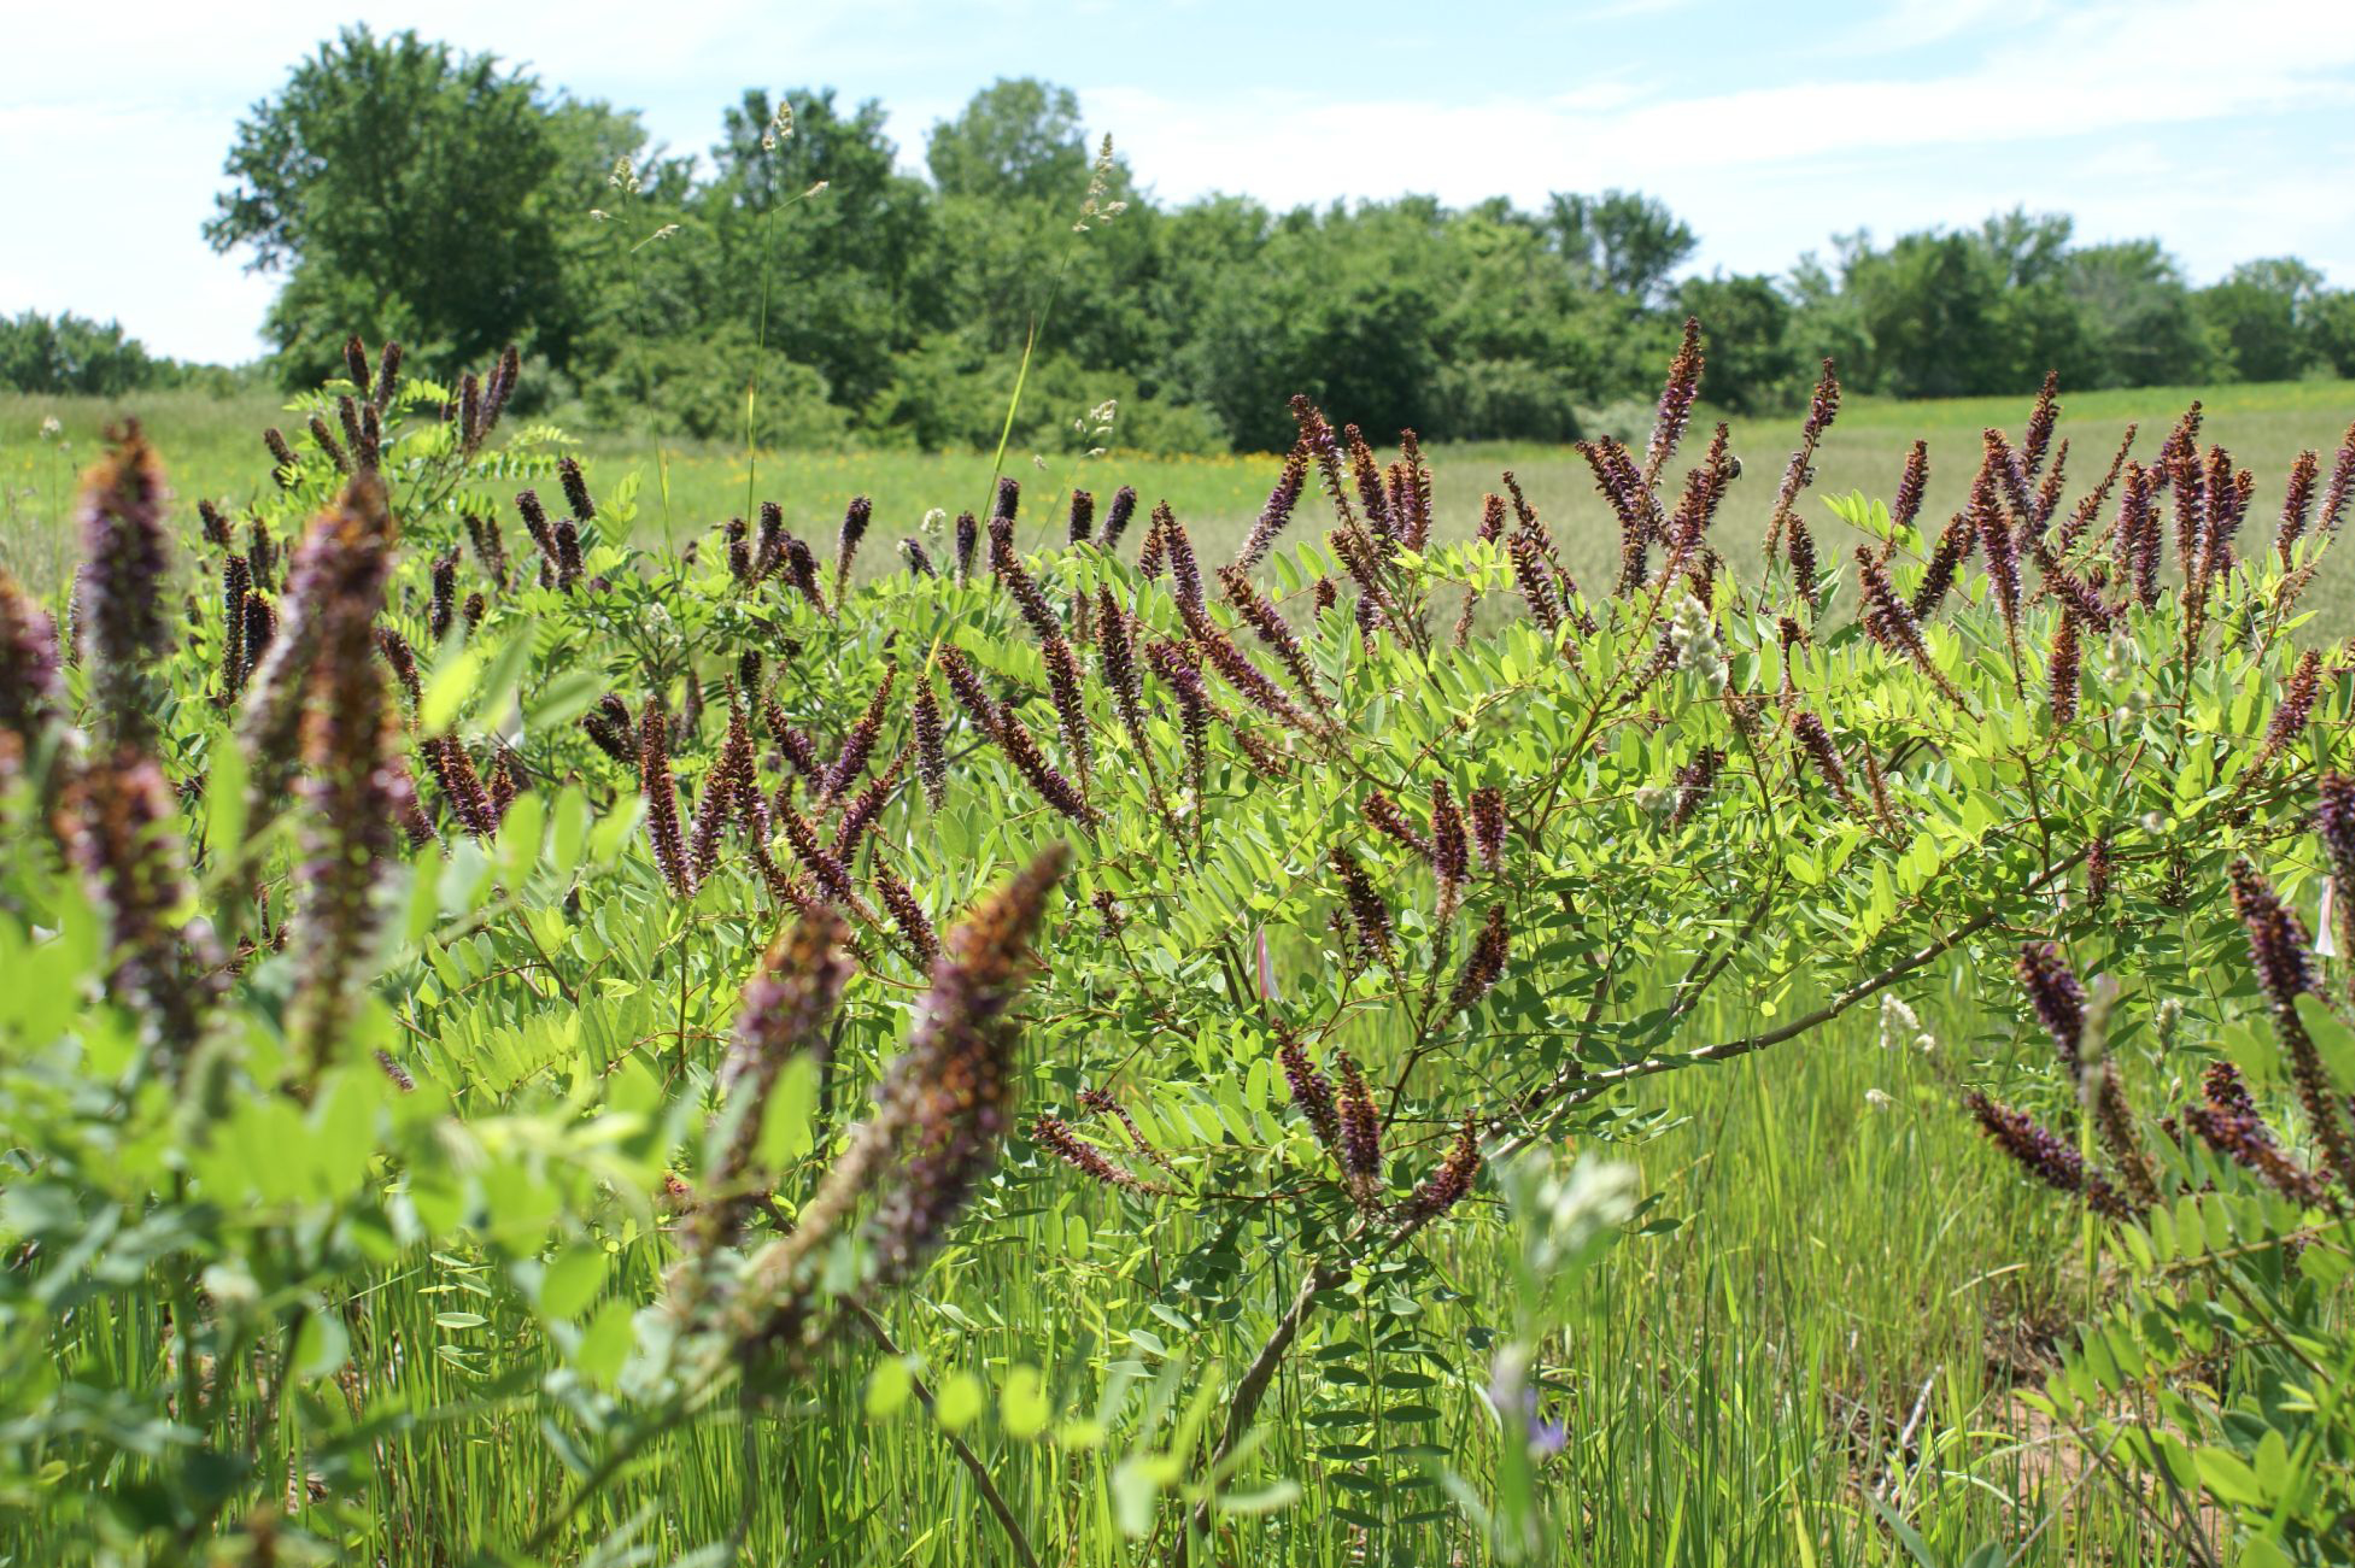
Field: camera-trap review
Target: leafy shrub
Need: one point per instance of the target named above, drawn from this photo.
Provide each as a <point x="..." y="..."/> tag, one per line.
<point x="468" y="971"/>
<point x="2219" y="1372"/>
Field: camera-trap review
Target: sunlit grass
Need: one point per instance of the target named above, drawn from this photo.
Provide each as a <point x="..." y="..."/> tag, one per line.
<point x="216" y="452"/>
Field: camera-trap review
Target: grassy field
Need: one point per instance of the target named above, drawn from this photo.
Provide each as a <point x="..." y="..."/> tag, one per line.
<point x="214" y="450"/>
<point x="1861" y="1286"/>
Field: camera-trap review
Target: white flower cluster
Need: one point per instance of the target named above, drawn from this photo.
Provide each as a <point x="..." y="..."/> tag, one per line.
<point x="1901" y="1026"/>
<point x="780" y="128"/>
<point x="1698" y="650"/>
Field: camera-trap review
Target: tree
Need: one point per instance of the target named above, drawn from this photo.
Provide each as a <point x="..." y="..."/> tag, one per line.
<point x="1747" y="324"/>
<point x="2334" y="331"/>
<point x="854" y="274"/>
<point x="1945" y="314"/>
<point x="73" y="355"/>
<point x="2146" y="330"/>
<point x="1018" y="137"/>
<point x="409" y="190"/>
<point x="2262" y="311"/>
<point x="1624" y="241"/>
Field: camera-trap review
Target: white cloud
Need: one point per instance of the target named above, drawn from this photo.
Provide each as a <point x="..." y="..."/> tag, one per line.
<point x="2192" y="120"/>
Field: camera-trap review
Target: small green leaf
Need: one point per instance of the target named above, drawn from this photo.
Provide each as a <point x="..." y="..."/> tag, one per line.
<point x="887" y="1387"/>
<point x="960" y="1402"/>
<point x="606" y="1345"/>
<point x="571" y="1281"/>
<point x="1023" y="1409"/>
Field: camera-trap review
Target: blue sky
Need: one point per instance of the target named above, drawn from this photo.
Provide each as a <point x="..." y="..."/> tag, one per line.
<point x="2227" y="129"/>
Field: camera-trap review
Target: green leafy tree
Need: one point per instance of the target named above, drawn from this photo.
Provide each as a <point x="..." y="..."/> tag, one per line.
<point x="1018" y="137"/>
<point x="1624" y="241"/>
<point x="2263" y="312"/>
<point x="1748" y="322"/>
<point x="71" y="353"/>
<point x="2145" y="327"/>
<point x="406" y="188"/>
<point x="2334" y="331"/>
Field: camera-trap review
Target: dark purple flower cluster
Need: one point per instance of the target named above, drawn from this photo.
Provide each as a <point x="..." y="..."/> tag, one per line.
<point x="1483" y="967"/>
<point x="2036" y="1149"/>
<point x="953" y="1087"/>
<point x="2285" y="966"/>
<point x="1488" y="826"/>
<point x="850" y="762"/>
<point x="2062" y="671"/>
<point x="1911" y="484"/>
<point x="1816" y="742"/>
<point x="2059" y="1000"/>
<point x="1273" y="517"/>
<point x="932" y="745"/>
<point x="1116" y="518"/>
<point x="783" y="1013"/>
<point x="660" y="794"/>
<point x="1054" y="1134"/>
<point x="1955" y="543"/>
<point x="353" y="788"/>
<point x="907" y="913"/>
<point x="127" y="563"/>
<point x="1369" y="916"/>
<point x="1360" y="1147"/>
<point x="1676" y="402"/>
<point x="32" y="698"/>
<point x="2294" y="709"/>
<point x="1311" y="1090"/>
<point x="1448" y="1183"/>
<point x="2298" y="505"/>
<point x="1694" y="781"/>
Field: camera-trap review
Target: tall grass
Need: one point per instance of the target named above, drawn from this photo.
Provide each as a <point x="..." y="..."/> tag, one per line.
<point x="215" y="447"/>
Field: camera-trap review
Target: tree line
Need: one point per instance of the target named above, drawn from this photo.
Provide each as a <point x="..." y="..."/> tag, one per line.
<point x="403" y="188"/>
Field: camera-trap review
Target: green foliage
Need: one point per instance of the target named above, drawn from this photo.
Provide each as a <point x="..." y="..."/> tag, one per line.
<point x="409" y="190"/>
<point x="76" y="357"/>
<point x="417" y="190"/>
<point x="2215" y="1369"/>
<point x="1709" y="814"/>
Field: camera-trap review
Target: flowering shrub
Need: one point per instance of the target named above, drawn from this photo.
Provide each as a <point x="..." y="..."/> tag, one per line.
<point x="539" y="915"/>
<point x="2219" y="1371"/>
